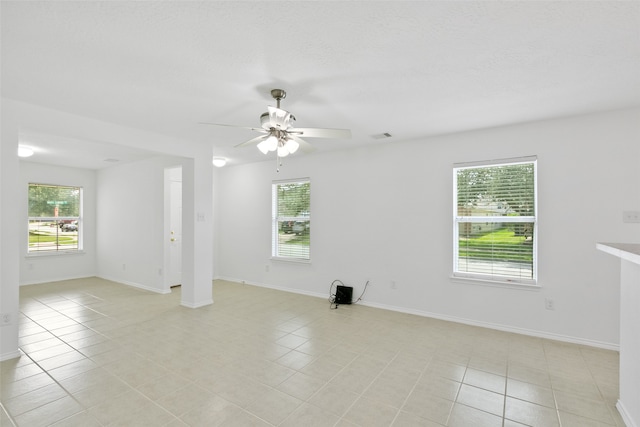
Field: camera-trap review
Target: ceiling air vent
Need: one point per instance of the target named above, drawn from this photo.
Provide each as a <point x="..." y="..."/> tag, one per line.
<point x="111" y="160"/>
<point x="382" y="135"/>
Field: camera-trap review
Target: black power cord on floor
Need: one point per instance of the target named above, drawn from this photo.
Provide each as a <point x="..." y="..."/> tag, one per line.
<point x="363" y="291"/>
<point x="332" y="296"/>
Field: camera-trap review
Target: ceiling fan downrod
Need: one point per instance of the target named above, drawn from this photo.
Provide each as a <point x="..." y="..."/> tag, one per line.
<point x="278" y="94"/>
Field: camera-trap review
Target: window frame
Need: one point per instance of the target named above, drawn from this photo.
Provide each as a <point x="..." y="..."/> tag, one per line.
<point x="79" y="221"/>
<point x="275" y="220"/>
<point x="480" y="278"/>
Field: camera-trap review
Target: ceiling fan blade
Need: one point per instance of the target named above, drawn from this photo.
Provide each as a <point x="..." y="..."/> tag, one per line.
<point x="321" y="133"/>
<point x="280" y="119"/>
<point x="252" y="141"/>
<point x="234" y="126"/>
<point x="304" y="145"/>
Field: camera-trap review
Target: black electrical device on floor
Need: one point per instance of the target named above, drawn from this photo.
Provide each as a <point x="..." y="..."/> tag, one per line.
<point x="343" y="294"/>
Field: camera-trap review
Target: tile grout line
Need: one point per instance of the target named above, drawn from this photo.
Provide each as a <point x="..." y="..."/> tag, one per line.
<point x="11" y="420"/>
<point x="415" y="384"/>
<point x="367" y="388"/>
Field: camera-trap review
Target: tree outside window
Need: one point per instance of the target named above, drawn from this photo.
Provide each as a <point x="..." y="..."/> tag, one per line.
<point x="291" y="219"/>
<point x="495" y="221"/>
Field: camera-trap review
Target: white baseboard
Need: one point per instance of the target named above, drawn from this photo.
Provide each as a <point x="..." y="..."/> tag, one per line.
<point x="10" y="355"/>
<point x="53" y="279"/>
<point x="197" y="304"/>
<point x="277" y="288"/>
<point x="625" y="415"/>
<point x="112" y="279"/>
<point x="136" y="285"/>
<point x="499" y="327"/>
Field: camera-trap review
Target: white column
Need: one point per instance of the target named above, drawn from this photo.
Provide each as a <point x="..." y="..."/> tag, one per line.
<point x="12" y="228"/>
<point x="629" y="402"/>
<point x="197" y="228"/>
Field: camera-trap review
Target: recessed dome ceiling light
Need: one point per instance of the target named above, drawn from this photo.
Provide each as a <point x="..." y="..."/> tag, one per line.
<point x="24" y="151"/>
<point x="219" y="162"/>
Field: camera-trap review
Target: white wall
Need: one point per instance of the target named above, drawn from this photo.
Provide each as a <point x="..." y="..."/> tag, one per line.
<point x="53" y="267"/>
<point x="385" y="213"/>
<point x="131" y="223"/>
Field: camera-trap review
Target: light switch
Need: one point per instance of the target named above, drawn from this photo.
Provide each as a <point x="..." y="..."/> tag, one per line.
<point x="631" y="216"/>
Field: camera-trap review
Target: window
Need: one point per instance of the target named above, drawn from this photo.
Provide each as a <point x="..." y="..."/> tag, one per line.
<point x="291" y="219"/>
<point x="495" y="221"/>
<point x="54" y="218"/>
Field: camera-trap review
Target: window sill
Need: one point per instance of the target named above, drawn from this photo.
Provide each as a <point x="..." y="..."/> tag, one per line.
<point x="52" y="253"/>
<point x="293" y="260"/>
<point x="513" y="284"/>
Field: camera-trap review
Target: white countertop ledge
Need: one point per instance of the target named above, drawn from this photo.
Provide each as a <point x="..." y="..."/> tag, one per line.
<point x="626" y="251"/>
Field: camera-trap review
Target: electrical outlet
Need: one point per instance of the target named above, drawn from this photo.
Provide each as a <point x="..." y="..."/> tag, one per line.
<point x="394" y="285"/>
<point x="631" y="216"/>
<point x="124" y="267"/>
<point x="266" y="268"/>
<point x="549" y="304"/>
<point x="5" y="319"/>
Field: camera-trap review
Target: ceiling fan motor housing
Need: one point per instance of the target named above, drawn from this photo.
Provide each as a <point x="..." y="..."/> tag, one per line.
<point x="278" y="94"/>
<point x="265" y="123"/>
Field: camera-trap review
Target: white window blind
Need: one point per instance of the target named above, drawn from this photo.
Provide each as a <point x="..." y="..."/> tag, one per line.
<point x="55" y="221"/>
<point x="495" y="221"/>
<point x="291" y="219"/>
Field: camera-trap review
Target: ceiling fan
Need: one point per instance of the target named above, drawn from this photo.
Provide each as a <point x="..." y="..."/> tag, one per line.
<point x="278" y="133"/>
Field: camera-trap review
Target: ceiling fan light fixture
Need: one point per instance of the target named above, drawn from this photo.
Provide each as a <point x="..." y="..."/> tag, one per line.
<point x="278" y="133"/>
<point x="272" y="142"/>
<point x="282" y="151"/>
<point x="291" y="146"/>
<point x="269" y="144"/>
<point x="263" y="147"/>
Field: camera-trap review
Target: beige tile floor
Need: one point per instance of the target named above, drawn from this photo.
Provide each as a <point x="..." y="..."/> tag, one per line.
<point x="98" y="353"/>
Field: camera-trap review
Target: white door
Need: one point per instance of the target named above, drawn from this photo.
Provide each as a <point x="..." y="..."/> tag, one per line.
<point x="175" y="227"/>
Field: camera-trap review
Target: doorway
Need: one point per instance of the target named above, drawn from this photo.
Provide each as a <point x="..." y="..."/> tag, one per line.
<point x="173" y="226"/>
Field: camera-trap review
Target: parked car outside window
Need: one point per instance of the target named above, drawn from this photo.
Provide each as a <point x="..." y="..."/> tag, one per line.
<point x="287" y="227"/>
<point x="300" y="227"/>
<point x="73" y="226"/>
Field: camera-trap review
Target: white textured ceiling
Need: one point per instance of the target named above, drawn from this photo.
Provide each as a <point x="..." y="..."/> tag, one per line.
<point x="412" y="69"/>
